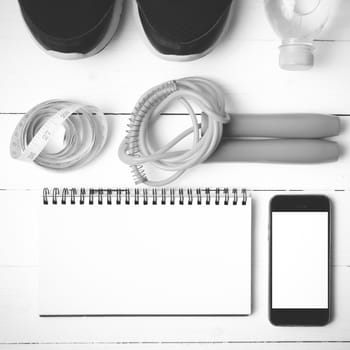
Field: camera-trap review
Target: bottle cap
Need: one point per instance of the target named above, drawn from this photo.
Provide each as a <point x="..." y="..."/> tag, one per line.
<point x="296" y="57"/>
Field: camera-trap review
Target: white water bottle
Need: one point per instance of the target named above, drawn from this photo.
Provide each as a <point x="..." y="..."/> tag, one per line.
<point x="297" y="22"/>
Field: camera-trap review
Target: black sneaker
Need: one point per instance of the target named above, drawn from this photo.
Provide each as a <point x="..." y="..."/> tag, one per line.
<point x="184" y="29"/>
<point x="72" y="28"/>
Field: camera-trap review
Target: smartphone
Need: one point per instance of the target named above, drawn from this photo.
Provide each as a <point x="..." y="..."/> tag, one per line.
<point x="299" y="240"/>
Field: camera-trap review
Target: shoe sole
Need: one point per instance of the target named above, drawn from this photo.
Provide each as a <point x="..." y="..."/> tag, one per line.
<point x="118" y="9"/>
<point x="183" y="58"/>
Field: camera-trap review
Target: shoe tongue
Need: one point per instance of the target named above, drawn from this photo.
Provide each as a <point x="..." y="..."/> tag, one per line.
<point x="66" y="18"/>
<point x="183" y="20"/>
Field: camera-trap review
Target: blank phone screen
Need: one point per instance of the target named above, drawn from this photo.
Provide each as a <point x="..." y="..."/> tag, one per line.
<point x="299" y="260"/>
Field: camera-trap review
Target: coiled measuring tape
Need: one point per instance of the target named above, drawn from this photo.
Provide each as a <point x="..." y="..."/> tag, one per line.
<point x="85" y="134"/>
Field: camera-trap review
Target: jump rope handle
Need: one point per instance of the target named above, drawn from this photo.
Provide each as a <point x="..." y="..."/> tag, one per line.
<point x="298" y="126"/>
<point x="296" y="138"/>
<point x="276" y="151"/>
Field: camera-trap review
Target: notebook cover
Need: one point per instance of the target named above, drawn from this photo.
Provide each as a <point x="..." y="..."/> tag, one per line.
<point x="145" y="260"/>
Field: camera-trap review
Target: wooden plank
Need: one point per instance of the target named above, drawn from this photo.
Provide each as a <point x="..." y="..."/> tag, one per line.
<point x="245" y="64"/>
<point x="19" y="237"/>
<point x="19" y="321"/>
<point x="18" y="297"/>
<point x="114" y="80"/>
<point x="108" y="171"/>
<point x="182" y="345"/>
<point x="246" y="12"/>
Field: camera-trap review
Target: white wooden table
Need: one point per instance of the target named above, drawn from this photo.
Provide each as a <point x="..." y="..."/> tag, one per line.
<point x="245" y="64"/>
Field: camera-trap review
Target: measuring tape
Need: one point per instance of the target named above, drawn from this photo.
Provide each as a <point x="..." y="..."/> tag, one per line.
<point x="85" y="127"/>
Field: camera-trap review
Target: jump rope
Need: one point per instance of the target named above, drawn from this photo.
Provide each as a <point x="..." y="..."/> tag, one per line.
<point x="216" y="135"/>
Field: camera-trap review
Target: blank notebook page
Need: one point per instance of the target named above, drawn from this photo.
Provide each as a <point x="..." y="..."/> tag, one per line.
<point x="145" y="259"/>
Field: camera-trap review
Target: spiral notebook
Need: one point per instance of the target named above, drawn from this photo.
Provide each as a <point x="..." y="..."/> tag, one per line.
<point x="145" y="252"/>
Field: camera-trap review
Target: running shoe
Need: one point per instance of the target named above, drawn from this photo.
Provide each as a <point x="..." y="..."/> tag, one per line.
<point x="72" y="29"/>
<point x="184" y="29"/>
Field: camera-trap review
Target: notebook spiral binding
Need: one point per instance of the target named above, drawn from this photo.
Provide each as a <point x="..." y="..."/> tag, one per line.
<point x="145" y="196"/>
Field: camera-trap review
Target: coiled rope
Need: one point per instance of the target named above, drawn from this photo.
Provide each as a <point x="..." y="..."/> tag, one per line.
<point x="85" y="133"/>
<point x="137" y="150"/>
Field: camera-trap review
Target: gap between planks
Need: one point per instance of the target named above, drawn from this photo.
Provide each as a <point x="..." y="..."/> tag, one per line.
<point x="185" y="342"/>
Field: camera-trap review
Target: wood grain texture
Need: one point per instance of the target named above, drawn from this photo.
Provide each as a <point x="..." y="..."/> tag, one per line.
<point x="229" y="345"/>
<point x="245" y="65"/>
<point x="19" y="241"/>
<point x="179" y="346"/>
<point x="19" y="290"/>
<point x="242" y="175"/>
<point x="19" y="321"/>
